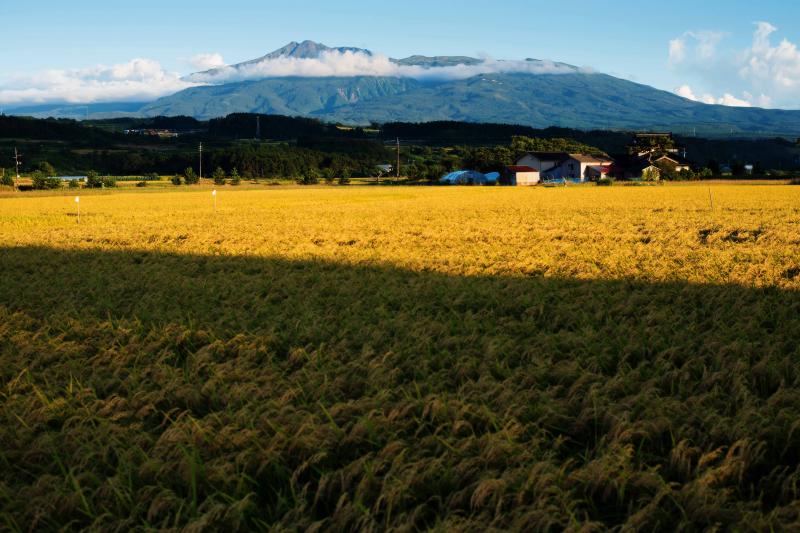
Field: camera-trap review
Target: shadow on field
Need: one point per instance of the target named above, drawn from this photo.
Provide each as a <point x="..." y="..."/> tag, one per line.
<point x="158" y="390"/>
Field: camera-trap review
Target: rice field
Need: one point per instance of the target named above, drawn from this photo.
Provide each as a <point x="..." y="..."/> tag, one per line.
<point x="401" y="358"/>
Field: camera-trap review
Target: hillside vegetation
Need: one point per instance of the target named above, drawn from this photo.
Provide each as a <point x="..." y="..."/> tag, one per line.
<point x="372" y="359"/>
<point x="571" y="100"/>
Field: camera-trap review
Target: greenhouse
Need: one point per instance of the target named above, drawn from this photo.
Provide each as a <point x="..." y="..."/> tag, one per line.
<point x="464" y="177"/>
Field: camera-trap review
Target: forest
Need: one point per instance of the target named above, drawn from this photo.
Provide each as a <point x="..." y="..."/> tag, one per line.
<point x="275" y="147"/>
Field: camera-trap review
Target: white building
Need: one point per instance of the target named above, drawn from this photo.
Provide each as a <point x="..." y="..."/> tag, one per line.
<point x="561" y="165"/>
<point x="523" y="175"/>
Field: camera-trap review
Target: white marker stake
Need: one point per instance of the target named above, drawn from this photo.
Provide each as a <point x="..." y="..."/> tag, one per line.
<point x="78" y="203"/>
<point x="214" y="194"/>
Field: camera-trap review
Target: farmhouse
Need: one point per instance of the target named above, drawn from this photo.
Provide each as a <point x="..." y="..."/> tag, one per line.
<point x="561" y="165"/>
<point x="523" y="175"/>
<point x="672" y="160"/>
<point x="628" y="167"/>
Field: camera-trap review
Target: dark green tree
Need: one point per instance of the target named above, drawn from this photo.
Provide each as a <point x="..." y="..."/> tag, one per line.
<point x="189" y="176"/>
<point x="704" y="173"/>
<point x="47" y="169"/>
<point x="93" y="180"/>
<point x="41" y="181"/>
<point x="7" y="179"/>
<point x="219" y="176"/>
<point x="235" y="178"/>
<point x="521" y="144"/>
<point x="310" y="177"/>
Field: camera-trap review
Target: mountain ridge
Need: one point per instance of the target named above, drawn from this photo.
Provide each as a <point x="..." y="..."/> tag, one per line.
<point x="423" y="88"/>
<point x="556" y="94"/>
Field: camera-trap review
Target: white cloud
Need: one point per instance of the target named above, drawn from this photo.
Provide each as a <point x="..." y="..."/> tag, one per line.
<point x="730" y="100"/>
<point x="686" y="92"/>
<point x="136" y="80"/>
<point x="768" y="67"/>
<point x="694" y="45"/>
<point x="677" y="51"/>
<point x="207" y="61"/>
<point x="347" y="64"/>
<point x="726" y="99"/>
<point x="761" y="100"/>
<point x="764" y="74"/>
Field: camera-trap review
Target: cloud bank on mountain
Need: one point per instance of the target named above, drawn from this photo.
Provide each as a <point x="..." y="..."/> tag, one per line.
<point x="336" y="63"/>
<point x="145" y="79"/>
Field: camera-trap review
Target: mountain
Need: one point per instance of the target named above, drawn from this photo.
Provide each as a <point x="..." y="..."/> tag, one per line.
<point x="97" y="111"/>
<point x="308" y="97"/>
<point x="424" y="88"/>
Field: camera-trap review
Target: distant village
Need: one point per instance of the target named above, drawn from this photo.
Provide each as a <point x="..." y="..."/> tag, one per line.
<point x="649" y="158"/>
<point x="150" y="132"/>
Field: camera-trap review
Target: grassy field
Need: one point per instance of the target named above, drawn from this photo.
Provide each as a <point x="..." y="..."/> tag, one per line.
<point x="401" y="358"/>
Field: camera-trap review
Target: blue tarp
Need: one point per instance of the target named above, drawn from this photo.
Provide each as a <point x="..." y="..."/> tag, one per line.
<point x="464" y="177"/>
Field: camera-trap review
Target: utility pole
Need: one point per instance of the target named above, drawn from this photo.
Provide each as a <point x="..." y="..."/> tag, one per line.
<point x="201" y="160"/>
<point x="398" y="158"/>
<point x="16" y="164"/>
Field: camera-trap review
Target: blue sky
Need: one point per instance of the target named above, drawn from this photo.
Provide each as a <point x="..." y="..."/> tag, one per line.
<point x="703" y="49"/>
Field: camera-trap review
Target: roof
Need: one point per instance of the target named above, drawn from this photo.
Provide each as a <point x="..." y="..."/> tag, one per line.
<point x="674" y="158"/>
<point x="459" y="174"/>
<point x="521" y="168"/>
<point x="584" y="158"/>
<point x="603" y="169"/>
<point x="631" y="164"/>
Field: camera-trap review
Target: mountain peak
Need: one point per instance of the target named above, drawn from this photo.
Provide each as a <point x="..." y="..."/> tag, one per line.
<point x="295" y="50"/>
<point x="307" y="50"/>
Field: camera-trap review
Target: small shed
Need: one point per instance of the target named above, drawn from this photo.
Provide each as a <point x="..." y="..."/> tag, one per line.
<point x="523" y="175"/>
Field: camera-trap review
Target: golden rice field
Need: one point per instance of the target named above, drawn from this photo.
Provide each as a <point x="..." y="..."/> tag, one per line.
<point x="400" y="358"/>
